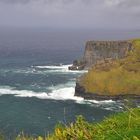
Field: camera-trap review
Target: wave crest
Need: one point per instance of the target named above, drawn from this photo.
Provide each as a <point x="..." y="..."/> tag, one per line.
<point x="57" y="94"/>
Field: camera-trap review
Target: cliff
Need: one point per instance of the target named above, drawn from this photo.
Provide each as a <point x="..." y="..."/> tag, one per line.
<point x="111" y="78"/>
<point x="96" y="51"/>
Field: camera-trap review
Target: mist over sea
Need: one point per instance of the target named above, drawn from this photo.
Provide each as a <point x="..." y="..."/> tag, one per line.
<point x="36" y="87"/>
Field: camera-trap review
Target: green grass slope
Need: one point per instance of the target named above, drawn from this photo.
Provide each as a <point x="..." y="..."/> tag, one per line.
<point x="123" y="126"/>
<point x="116" y="78"/>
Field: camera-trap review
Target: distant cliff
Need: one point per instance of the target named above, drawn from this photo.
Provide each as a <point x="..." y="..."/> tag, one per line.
<point x="96" y="51"/>
<point x="107" y="77"/>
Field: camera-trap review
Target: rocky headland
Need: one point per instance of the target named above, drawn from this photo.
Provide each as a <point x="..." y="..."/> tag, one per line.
<point x="98" y="51"/>
<point x="113" y="70"/>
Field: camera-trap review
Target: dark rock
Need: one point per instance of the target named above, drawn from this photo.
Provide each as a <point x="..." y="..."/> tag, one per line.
<point x="77" y="65"/>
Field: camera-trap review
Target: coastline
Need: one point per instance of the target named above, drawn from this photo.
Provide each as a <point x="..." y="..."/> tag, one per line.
<point x="122" y="72"/>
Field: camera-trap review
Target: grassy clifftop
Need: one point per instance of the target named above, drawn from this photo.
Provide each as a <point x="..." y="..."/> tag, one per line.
<point x="118" y="77"/>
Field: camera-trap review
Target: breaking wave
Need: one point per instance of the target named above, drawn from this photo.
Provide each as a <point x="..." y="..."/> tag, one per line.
<point x="54" y="67"/>
<point x="61" y="68"/>
<point x="66" y="93"/>
<point x="59" y="93"/>
<point x="63" y="91"/>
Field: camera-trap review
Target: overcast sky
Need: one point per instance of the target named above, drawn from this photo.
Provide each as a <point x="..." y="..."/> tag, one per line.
<point x="105" y="14"/>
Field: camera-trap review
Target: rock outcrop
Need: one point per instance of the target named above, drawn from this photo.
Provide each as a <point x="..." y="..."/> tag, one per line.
<point x="107" y="78"/>
<point x="96" y="51"/>
<point x="78" y="65"/>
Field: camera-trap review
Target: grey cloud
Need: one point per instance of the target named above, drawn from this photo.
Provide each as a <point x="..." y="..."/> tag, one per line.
<point x="123" y="3"/>
<point x="130" y="4"/>
<point x="71" y="13"/>
<point x="125" y="8"/>
<point x="44" y="1"/>
<point x="15" y="1"/>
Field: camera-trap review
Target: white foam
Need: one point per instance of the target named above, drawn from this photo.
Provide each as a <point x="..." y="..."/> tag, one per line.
<point x="64" y="94"/>
<point x="101" y="102"/>
<point x="60" y="69"/>
<point x="54" y="67"/>
<point x="58" y="94"/>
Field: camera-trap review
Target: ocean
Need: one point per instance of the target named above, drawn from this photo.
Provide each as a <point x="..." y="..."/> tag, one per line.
<point x="36" y="87"/>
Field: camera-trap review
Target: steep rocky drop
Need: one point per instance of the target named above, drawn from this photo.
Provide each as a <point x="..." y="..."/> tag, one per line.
<point x="96" y="51"/>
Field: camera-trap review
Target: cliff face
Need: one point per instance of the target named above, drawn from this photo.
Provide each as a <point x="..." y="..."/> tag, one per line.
<point x="96" y="51"/>
<point x="99" y="50"/>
